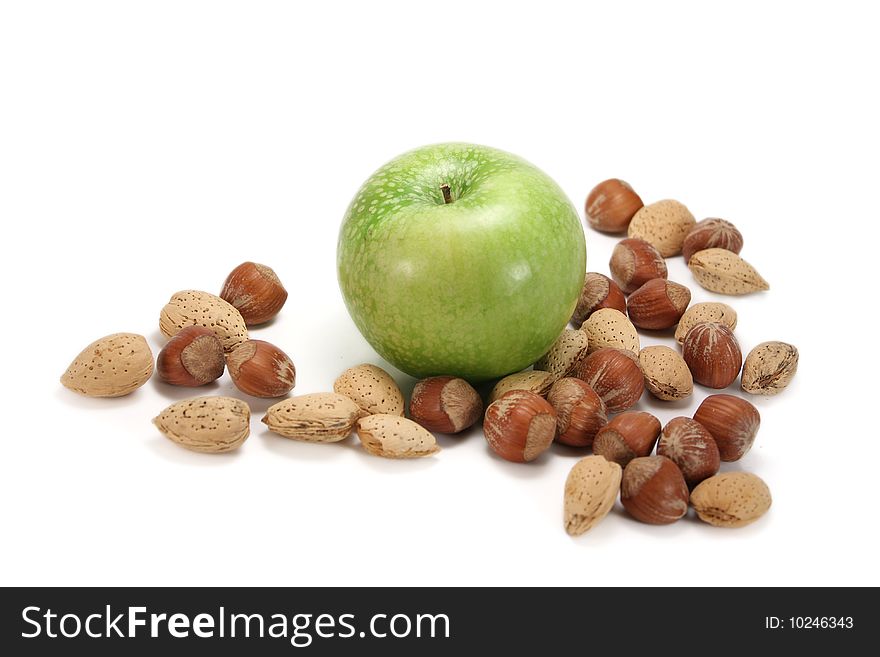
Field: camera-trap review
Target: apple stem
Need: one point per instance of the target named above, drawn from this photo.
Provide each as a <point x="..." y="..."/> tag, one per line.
<point x="447" y="193"/>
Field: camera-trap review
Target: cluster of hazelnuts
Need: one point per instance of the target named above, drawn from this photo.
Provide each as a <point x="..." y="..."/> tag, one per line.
<point x="196" y="356"/>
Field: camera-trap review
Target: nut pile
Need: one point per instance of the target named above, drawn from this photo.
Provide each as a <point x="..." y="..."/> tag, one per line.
<point x="208" y="335"/>
<point x="581" y="393"/>
<point x="684" y="470"/>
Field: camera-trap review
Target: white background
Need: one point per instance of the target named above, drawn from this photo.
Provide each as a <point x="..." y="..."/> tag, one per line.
<point x="150" y="147"/>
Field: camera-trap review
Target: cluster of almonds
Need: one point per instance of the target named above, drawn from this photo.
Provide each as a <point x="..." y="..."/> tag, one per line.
<point x="366" y="399"/>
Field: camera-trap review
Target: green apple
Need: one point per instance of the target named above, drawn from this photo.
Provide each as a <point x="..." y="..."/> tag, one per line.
<point x="460" y="259"/>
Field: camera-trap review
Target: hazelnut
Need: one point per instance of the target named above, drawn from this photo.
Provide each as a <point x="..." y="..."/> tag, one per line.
<point x="689" y="445"/>
<point x="769" y="368"/>
<point x="256" y="292"/>
<point x="733" y="423"/>
<point x="519" y="426"/>
<point x="192" y="358"/>
<point x="664" y="224"/>
<point x="710" y="234"/>
<point x="615" y="375"/>
<point x="611" y="205"/>
<point x="712" y="354"/>
<point x="658" y="304"/>
<point x="653" y="490"/>
<point x="580" y="412"/>
<point x="261" y="369"/>
<point x="445" y="404"/>
<point x="627" y="436"/>
<point x="598" y="292"/>
<point x="634" y="262"/>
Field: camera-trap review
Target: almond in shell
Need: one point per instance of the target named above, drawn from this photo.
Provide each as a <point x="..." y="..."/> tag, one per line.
<point x="731" y="499"/>
<point x="724" y="272"/>
<point x="565" y="353"/>
<point x="590" y="491"/>
<point x="112" y="366"/>
<point x="206" y="424"/>
<point x="709" y="311"/>
<point x="610" y="328"/>
<point x="536" y="381"/>
<point x="196" y="308"/>
<point x="323" y="417"/>
<point x="664" y="224"/>
<point x="769" y="368"/>
<point x="667" y="376"/>
<point x="395" y="437"/>
<point x="371" y="388"/>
